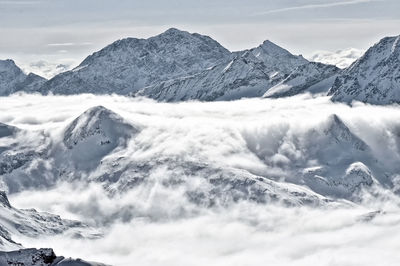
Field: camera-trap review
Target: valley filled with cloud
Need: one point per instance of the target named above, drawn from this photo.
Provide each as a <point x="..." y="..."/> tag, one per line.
<point x="187" y="183"/>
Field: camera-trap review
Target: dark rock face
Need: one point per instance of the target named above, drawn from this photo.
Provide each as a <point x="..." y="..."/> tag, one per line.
<point x="28" y="257"/>
<point x="40" y="257"/>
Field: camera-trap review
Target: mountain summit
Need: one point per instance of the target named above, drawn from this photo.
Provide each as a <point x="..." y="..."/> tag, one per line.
<point x="374" y="78"/>
<point x="277" y="58"/>
<point x="130" y="64"/>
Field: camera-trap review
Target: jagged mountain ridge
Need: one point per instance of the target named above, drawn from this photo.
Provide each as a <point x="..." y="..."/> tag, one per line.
<point x="175" y="66"/>
<point x="276" y="58"/>
<point x="374" y="78"/>
<point x="249" y="73"/>
<point x="131" y="64"/>
<point x="184" y="69"/>
<point x="13" y="79"/>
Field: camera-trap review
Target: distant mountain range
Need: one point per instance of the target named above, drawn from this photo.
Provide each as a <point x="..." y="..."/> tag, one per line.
<point x="178" y="66"/>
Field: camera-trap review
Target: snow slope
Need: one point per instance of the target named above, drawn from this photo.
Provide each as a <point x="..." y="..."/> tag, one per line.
<point x="374" y="78"/>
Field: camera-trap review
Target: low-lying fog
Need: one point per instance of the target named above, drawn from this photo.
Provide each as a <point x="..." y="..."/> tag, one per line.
<point x="154" y="224"/>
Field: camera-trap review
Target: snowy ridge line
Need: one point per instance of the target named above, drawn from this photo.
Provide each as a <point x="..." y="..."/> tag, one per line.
<point x="174" y="66"/>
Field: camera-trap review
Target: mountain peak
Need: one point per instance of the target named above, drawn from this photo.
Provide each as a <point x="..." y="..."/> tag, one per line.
<point x="337" y="129"/>
<point x="277" y="58"/>
<point x="270" y="44"/>
<point x="97" y="121"/>
<point x="273" y="49"/>
<point x="374" y="77"/>
<point x="131" y="64"/>
<point x="338" y="132"/>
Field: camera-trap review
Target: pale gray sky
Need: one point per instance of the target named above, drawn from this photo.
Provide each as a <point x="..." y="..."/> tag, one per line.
<point x="66" y="31"/>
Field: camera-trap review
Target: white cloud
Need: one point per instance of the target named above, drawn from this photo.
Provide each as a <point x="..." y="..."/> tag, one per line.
<point x="156" y="225"/>
<point x="315" y="6"/>
<point x="70" y="44"/>
<point x="46" y="69"/>
<point x="341" y="58"/>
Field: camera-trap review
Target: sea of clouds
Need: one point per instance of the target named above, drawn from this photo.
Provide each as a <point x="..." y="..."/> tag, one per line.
<point x="157" y="225"/>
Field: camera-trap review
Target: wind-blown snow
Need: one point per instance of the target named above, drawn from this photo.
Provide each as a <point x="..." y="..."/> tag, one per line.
<point x="338" y="164"/>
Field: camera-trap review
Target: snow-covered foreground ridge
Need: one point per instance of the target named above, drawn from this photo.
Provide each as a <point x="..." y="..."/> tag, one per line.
<point x="168" y="176"/>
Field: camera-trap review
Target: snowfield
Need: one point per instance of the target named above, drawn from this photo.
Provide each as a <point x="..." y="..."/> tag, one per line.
<point x="287" y="181"/>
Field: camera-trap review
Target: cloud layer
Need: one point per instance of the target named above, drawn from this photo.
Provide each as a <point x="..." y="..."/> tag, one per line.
<point x="155" y="223"/>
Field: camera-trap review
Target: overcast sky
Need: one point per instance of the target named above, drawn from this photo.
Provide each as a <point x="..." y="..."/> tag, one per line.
<point x="69" y="30"/>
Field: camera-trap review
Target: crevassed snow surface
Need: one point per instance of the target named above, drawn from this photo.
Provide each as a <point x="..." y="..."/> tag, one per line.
<point x="291" y="181"/>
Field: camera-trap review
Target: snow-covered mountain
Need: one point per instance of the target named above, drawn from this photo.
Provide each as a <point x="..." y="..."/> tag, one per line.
<point x="312" y="77"/>
<point x="93" y="135"/>
<point x="374" y="78"/>
<point x="131" y="64"/>
<point x="277" y="59"/>
<point x="13" y="79"/>
<point x="177" y="66"/>
<point x="246" y="74"/>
